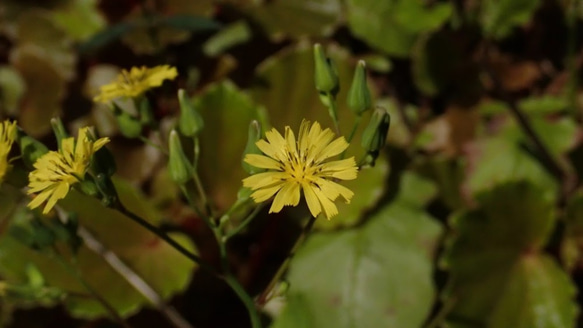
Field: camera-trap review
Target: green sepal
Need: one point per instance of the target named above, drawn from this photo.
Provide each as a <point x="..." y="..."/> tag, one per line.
<point x="190" y="123"/>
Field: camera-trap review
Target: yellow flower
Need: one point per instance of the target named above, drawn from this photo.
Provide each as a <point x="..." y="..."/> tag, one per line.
<point x="7" y="136"/>
<point x="293" y="166"/>
<point x="135" y="82"/>
<point x="55" y="172"/>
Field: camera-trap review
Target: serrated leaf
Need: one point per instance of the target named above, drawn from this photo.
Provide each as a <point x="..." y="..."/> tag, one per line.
<point x="393" y="25"/>
<point x="166" y="270"/>
<point x="380" y="272"/>
<point x="500" y="279"/>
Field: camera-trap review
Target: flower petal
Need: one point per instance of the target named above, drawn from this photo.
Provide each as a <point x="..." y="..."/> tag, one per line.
<point x="334" y="148"/>
<point x="288" y="195"/>
<point x="311" y="199"/>
<point x="264" y="179"/>
<point x="262" y="162"/>
<point x="328" y="207"/>
<point x="264" y="194"/>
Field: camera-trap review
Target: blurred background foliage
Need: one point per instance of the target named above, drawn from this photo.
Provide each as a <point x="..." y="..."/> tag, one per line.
<point x="472" y="217"/>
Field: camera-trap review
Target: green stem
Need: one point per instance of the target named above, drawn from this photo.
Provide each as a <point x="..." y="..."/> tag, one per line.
<point x="198" y="211"/>
<point x="228" y="276"/>
<point x="262" y="299"/>
<point x="75" y="272"/>
<point x="333" y="111"/>
<point x="122" y="209"/>
<point x="245" y="222"/>
<point x="151" y="143"/>
<point x="571" y="20"/>
<point x="245" y="298"/>
<point x="201" y="192"/>
<point x="352" y="133"/>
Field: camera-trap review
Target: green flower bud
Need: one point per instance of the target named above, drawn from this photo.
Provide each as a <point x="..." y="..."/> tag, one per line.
<point x="31" y="149"/>
<point x="375" y="134"/>
<point x="359" y="99"/>
<point x="87" y="187"/>
<point x="129" y="126"/>
<point x="190" y="123"/>
<point x="325" y="74"/>
<point x="106" y="189"/>
<point x="146" y="113"/>
<point x="253" y="135"/>
<point x="179" y="167"/>
<point x="103" y="162"/>
<point x="59" y="130"/>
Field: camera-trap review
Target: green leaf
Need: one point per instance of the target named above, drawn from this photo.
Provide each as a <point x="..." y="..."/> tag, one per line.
<point x="232" y="35"/>
<point x="499" y="17"/>
<point x="499" y="278"/>
<point x="393" y="26"/>
<point x="434" y="60"/>
<point x="499" y="160"/>
<point x="572" y="243"/>
<point x="545" y="104"/>
<point x="165" y="269"/>
<point x="80" y="19"/>
<point x="12" y="88"/>
<point x="280" y="18"/>
<point x="226" y="112"/>
<point x="378" y="273"/>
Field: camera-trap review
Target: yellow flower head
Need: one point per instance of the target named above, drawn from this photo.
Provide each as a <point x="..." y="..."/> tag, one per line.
<point x="135" y="82"/>
<point x="293" y="166"/>
<point x="7" y="136"/>
<point x="55" y="172"/>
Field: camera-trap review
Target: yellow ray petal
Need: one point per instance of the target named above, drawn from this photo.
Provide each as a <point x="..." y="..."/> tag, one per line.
<point x="262" y="162"/>
<point x="288" y="195"/>
<point x="311" y="200"/>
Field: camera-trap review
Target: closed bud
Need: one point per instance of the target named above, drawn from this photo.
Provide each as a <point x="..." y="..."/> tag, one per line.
<point x="87" y="187"/>
<point x="31" y="149"/>
<point x="146" y="112"/>
<point x="359" y="99"/>
<point x="253" y="135"/>
<point x="103" y="162"/>
<point x="129" y="126"/>
<point x="325" y="74"/>
<point x="375" y="134"/>
<point x="179" y="167"/>
<point x="59" y="130"/>
<point x="190" y="123"/>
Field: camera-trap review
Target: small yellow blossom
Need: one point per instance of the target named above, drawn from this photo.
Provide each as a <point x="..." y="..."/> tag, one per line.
<point x="135" y="82"/>
<point x="55" y="172"/>
<point x="7" y="136"/>
<point x="293" y="166"/>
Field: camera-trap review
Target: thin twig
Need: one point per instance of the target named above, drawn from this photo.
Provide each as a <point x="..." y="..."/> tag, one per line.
<point x="74" y="271"/>
<point x="122" y="209"/>
<point x="263" y="297"/>
<point x="133" y="278"/>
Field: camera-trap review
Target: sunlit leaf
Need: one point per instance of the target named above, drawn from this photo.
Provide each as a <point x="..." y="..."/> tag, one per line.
<point x="499" y="17"/>
<point x="500" y="278"/>
<point x="380" y="272"/>
<point x="393" y="26"/>
<point x="280" y="18"/>
<point x="166" y="270"/>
